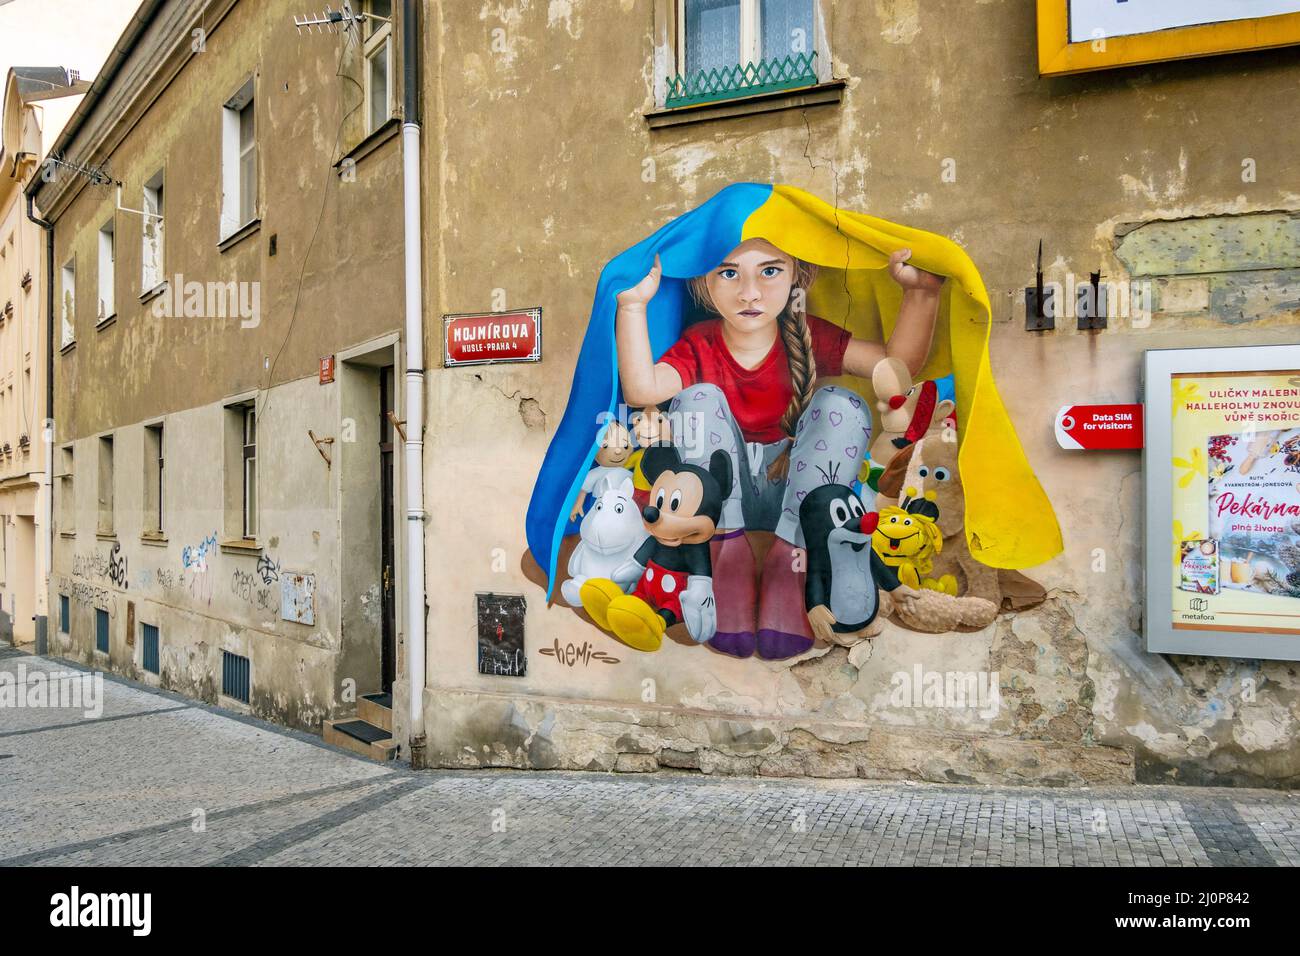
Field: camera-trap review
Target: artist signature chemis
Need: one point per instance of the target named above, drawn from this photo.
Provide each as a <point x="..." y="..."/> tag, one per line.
<point x="572" y="654"/>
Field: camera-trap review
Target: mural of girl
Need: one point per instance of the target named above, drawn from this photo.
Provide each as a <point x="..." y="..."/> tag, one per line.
<point x="746" y="382"/>
<point x="793" y="292"/>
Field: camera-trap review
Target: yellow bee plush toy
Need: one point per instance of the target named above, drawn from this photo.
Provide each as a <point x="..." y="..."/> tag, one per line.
<point x="907" y="539"/>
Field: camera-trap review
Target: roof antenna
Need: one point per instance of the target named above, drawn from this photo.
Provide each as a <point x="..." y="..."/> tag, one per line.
<point x="331" y="20"/>
<point x="94" y="173"/>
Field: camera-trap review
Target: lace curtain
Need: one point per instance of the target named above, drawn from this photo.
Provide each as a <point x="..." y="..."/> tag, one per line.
<point x="787" y="27"/>
<point x="713" y="31"/>
<point x="712" y="34"/>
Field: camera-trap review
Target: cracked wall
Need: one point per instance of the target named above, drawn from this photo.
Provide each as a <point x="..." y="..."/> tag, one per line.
<point x="544" y="168"/>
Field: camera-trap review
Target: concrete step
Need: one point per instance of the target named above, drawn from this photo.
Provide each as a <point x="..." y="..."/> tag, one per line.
<point x="360" y="737"/>
<point x="377" y="709"/>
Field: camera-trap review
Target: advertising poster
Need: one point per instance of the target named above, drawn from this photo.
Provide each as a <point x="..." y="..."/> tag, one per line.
<point x="1089" y="18"/>
<point x="1235" y="455"/>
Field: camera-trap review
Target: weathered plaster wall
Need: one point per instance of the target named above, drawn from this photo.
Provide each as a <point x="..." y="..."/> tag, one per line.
<point x="326" y="262"/>
<point x="545" y="168"/>
<point x="333" y="280"/>
<point x="205" y="597"/>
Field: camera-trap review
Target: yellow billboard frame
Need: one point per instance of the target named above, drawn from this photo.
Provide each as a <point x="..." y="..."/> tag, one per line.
<point x="1058" y="56"/>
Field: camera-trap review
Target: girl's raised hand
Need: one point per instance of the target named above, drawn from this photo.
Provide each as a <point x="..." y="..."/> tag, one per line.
<point x="641" y="293"/>
<point x="910" y="277"/>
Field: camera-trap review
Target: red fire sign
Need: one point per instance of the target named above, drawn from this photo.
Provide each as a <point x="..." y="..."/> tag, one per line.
<point x="1099" y="427"/>
<point x="486" y="337"/>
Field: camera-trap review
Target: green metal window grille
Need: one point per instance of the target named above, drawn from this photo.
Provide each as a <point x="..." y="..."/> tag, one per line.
<point x="749" y="79"/>
<point x="235" y="676"/>
<point x="101" y="630"/>
<point x="149" y="633"/>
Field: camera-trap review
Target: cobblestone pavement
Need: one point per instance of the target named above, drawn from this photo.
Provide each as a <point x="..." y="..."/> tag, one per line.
<point x="162" y="780"/>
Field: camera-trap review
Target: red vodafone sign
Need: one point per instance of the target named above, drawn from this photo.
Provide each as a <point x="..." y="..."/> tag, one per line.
<point x="1099" y="427"/>
<point x="483" y="337"/>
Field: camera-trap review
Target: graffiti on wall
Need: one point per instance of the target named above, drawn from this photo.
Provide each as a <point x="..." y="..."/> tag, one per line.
<point x="195" y="558"/>
<point x="87" y="564"/>
<point x="195" y="580"/>
<point x="85" y="594"/>
<point x="268" y="569"/>
<point x="803" y="441"/>
<point x="247" y="586"/>
<point x="110" y="568"/>
<point x="116" y="569"/>
<point x="291" y="595"/>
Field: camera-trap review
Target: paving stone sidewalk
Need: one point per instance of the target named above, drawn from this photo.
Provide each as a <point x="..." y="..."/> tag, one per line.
<point x="158" y="779"/>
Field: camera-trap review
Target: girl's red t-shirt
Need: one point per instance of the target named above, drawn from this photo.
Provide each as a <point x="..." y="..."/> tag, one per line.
<point x="758" y="397"/>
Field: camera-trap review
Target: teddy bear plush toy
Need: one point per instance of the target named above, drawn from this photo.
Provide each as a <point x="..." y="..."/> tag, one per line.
<point x="908" y="411"/>
<point x="962" y="591"/>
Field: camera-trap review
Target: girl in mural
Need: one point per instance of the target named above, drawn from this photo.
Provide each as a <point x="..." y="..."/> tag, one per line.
<point x="746" y="383"/>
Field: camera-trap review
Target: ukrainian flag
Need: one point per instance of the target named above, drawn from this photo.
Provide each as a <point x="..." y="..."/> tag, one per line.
<point x="1009" y="521"/>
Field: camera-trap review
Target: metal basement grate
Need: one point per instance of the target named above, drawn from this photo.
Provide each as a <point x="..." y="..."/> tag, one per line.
<point x="101" y="630"/>
<point x="149" y="634"/>
<point x="235" y="676"/>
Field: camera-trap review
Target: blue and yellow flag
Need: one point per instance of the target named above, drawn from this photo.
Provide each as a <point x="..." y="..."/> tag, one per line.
<point x="1009" y="521"/>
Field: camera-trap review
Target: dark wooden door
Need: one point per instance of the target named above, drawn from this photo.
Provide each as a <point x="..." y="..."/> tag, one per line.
<point x="386" y="433"/>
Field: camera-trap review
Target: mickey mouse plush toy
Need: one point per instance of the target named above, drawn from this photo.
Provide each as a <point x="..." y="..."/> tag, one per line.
<point x="673" y="570"/>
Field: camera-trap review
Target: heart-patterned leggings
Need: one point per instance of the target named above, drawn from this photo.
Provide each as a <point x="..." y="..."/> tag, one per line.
<point x="830" y="443"/>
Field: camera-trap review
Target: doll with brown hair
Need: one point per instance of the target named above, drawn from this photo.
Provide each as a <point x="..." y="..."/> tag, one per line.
<point x="747" y="383"/>
<point x="613" y="464"/>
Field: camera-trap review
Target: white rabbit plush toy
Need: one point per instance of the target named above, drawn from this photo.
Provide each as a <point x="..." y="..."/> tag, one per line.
<point x="611" y="532"/>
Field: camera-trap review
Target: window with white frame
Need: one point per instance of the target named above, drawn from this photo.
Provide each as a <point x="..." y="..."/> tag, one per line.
<point x="68" y="291"/>
<point x="107" y="268"/>
<point x="730" y="48"/>
<point x="379" y="63"/>
<point x="238" y="161"/>
<point x="241" y="470"/>
<point x="106" y="486"/>
<point x="250" y="471"/>
<point x="153" y="479"/>
<point x="67" y="501"/>
<point x="151" y="257"/>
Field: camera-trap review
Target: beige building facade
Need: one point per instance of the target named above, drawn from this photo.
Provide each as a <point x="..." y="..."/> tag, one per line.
<point x="37" y="101"/>
<point x="229" y="312"/>
<point x="228" y="481"/>
<point x="557" y="151"/>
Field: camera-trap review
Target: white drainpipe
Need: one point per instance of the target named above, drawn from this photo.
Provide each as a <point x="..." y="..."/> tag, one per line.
<point x="413" y="484"/>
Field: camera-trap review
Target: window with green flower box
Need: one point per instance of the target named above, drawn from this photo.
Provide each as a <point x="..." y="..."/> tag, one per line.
<point x="732" y="48"/>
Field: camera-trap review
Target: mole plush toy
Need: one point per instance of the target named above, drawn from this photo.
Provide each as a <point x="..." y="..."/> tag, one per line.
<point x="672" y="569"/>
<point x="845" y="575"/>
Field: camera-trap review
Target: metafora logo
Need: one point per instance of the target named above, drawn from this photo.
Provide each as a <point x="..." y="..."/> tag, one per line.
<point x="210" y="300"/>
<point x="133" y="910"/>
